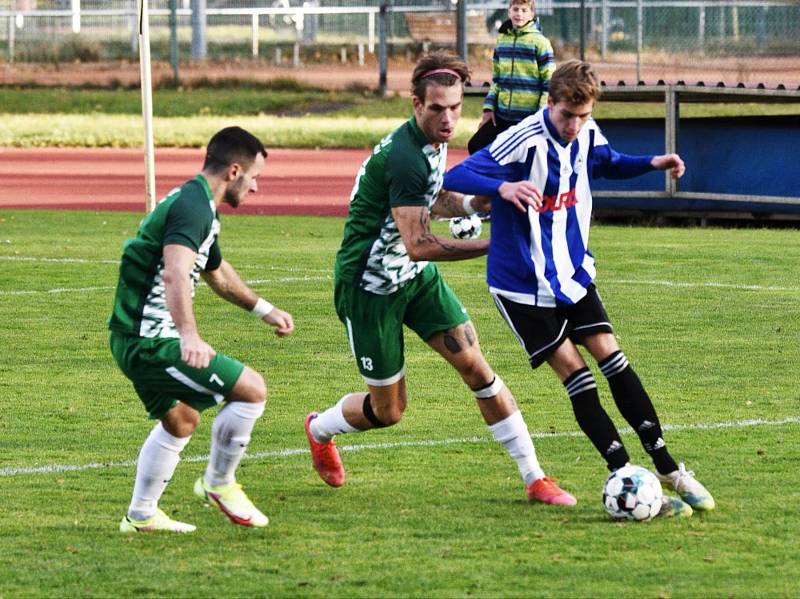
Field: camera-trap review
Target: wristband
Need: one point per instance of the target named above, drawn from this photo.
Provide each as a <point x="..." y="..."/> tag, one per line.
<point x="467" y="205"/>
<point x="262" y="308"/>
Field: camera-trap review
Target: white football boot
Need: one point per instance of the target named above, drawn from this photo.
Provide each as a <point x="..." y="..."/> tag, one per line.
<point x="159" y="521"/>
<point x="689" y="488"/>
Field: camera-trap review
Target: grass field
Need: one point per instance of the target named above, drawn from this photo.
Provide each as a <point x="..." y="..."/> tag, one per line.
<point x="296" y="117"/>
<point x="432" y="507"/>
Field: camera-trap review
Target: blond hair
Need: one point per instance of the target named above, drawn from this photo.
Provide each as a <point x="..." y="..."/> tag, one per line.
<point x="575" y="82"/>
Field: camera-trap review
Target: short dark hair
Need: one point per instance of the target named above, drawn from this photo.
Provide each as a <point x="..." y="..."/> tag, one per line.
<point x="435" y="61"/>
<point x="232" y="145"/>
<point x="575" y="82"/>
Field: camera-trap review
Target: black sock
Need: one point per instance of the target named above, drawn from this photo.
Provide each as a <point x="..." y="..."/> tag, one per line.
<point x="593" y="419"/>
<point x="635" y="406"/>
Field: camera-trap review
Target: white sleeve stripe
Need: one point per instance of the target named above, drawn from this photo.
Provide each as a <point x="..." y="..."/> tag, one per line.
<point x="506" y="146"/>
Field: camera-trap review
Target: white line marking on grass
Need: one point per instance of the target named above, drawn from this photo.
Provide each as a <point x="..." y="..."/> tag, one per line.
<point x="58" y="290"/>
<point x="87" y="261"/>
<point x="62" y="260"/>
<point x="253" y="282"/>
<point x="288" y="280"/>
<point x="662" y="283"/>
<point x="60" y="468"/>
<point x="701" y="284"/>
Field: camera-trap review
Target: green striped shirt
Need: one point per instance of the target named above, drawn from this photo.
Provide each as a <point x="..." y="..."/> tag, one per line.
<point x="186" y="216"/>
<point x="403" y="170"/>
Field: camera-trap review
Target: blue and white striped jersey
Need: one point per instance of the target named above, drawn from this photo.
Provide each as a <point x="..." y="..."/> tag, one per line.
<point x="542" y="257"/>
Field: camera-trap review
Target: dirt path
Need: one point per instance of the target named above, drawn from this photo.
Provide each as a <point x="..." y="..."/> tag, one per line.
<point x="670" y="69"/>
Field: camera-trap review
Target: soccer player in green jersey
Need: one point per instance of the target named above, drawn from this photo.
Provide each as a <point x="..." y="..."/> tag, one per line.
<point x="155" y="341"/>
<point x="384" y="280"/>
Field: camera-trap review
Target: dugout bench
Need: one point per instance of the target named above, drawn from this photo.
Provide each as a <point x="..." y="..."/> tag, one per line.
<point x="439" y="28"/>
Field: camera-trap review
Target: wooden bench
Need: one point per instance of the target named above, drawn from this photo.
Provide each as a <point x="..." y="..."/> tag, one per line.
<point x="440" y="28"/>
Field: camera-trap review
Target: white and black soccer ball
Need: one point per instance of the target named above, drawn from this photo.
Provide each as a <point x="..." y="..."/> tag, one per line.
<point x="632" y="493"/>
<point x="466" y="227"/>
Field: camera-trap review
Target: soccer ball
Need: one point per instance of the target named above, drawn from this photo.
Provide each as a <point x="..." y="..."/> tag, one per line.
<point x="632" y="493"/>
<point x="466" y="227"/>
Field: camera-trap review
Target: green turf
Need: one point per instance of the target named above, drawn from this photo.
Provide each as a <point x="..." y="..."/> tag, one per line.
<point x="238" y="98"/>
<point x="172" y="103"/>
<point x="287" y="116"/>
<point x="432" y="507"/>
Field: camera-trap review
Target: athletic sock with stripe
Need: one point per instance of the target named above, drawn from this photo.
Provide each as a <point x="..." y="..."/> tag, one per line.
<point x="635" y="406"/>
<point x="593" y="419"/>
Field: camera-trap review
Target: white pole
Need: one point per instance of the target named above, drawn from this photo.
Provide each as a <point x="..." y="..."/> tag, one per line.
<point x="254" y="33"/>
<point x="371" y="33"/>
<point x="639" y="38"/>
<point x="147" y="108"/>
<point x="604" y="31"/>
<point x="12" y="26"/>
<point x="76" y="16"/>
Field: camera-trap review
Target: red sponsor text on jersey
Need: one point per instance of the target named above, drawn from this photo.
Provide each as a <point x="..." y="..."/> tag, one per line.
<point x="559" y="202"/>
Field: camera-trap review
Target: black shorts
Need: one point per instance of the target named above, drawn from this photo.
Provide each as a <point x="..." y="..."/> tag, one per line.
<point x="542" y="330"/>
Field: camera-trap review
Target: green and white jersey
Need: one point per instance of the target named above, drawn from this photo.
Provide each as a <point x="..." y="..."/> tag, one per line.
<point x="403" y="170"/>
<point x="186" y="216"/>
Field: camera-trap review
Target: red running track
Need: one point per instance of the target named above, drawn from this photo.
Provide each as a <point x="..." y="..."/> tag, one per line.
<point x="313" y="182"/>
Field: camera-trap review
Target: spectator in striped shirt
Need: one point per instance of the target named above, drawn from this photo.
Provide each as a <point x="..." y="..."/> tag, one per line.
<point x="521" y="69"/>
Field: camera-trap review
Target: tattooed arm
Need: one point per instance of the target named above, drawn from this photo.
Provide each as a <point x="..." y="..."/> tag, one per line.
<point x="414" y="224"/>
<point x="451" y="203"/>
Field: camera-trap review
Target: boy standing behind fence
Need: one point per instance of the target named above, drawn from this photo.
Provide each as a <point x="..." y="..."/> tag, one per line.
<point x="521" y="69"/>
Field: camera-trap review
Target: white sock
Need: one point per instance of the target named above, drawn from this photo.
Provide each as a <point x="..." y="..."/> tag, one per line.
<point x="157" y="461"/>
<point x="513" y="434"/>
<point x="331" y="422"/>
<point x="230" y="435"/>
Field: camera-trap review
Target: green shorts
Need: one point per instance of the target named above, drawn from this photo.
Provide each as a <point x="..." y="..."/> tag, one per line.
<point x="161" y="378"/>
<point x="375" y="322"/>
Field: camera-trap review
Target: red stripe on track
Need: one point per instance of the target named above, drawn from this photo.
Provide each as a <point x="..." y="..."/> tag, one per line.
<point x="313" y="182"/>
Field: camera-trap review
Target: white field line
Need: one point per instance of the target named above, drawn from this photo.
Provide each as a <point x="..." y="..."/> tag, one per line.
<point x="87" y="261"/>
<point x="59" y="260"/>
<point x="59" y="468"/>
<point x="288" y="280"/>
<point x="252" y="283"/>
<point x="306" y="277"/>
<point x="57" y="290"/>
<point x="701" y="284"/>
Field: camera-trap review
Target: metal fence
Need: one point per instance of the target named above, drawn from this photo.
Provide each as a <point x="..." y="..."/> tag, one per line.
<point x="755" y="41"/>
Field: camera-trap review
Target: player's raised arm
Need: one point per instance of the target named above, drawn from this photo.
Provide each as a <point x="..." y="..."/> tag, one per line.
<point x="227" y="283"/>
<point x="482" y="174"/>
<point x="414" y="224"/>
<point x="178" y="263"/>
<point x="671" y="162"/>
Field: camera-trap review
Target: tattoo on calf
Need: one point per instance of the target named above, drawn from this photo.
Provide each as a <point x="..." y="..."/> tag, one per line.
<point x="451" y="343"/>
<point x="469" y="333"/>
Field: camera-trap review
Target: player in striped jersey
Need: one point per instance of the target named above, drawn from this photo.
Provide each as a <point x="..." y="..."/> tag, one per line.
<point x="155" y="341"/>
<point x="385" y="281"/>
<point x="541" y="273"/>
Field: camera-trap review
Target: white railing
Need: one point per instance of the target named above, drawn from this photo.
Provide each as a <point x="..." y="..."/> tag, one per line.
<point x="16" y="19"/>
